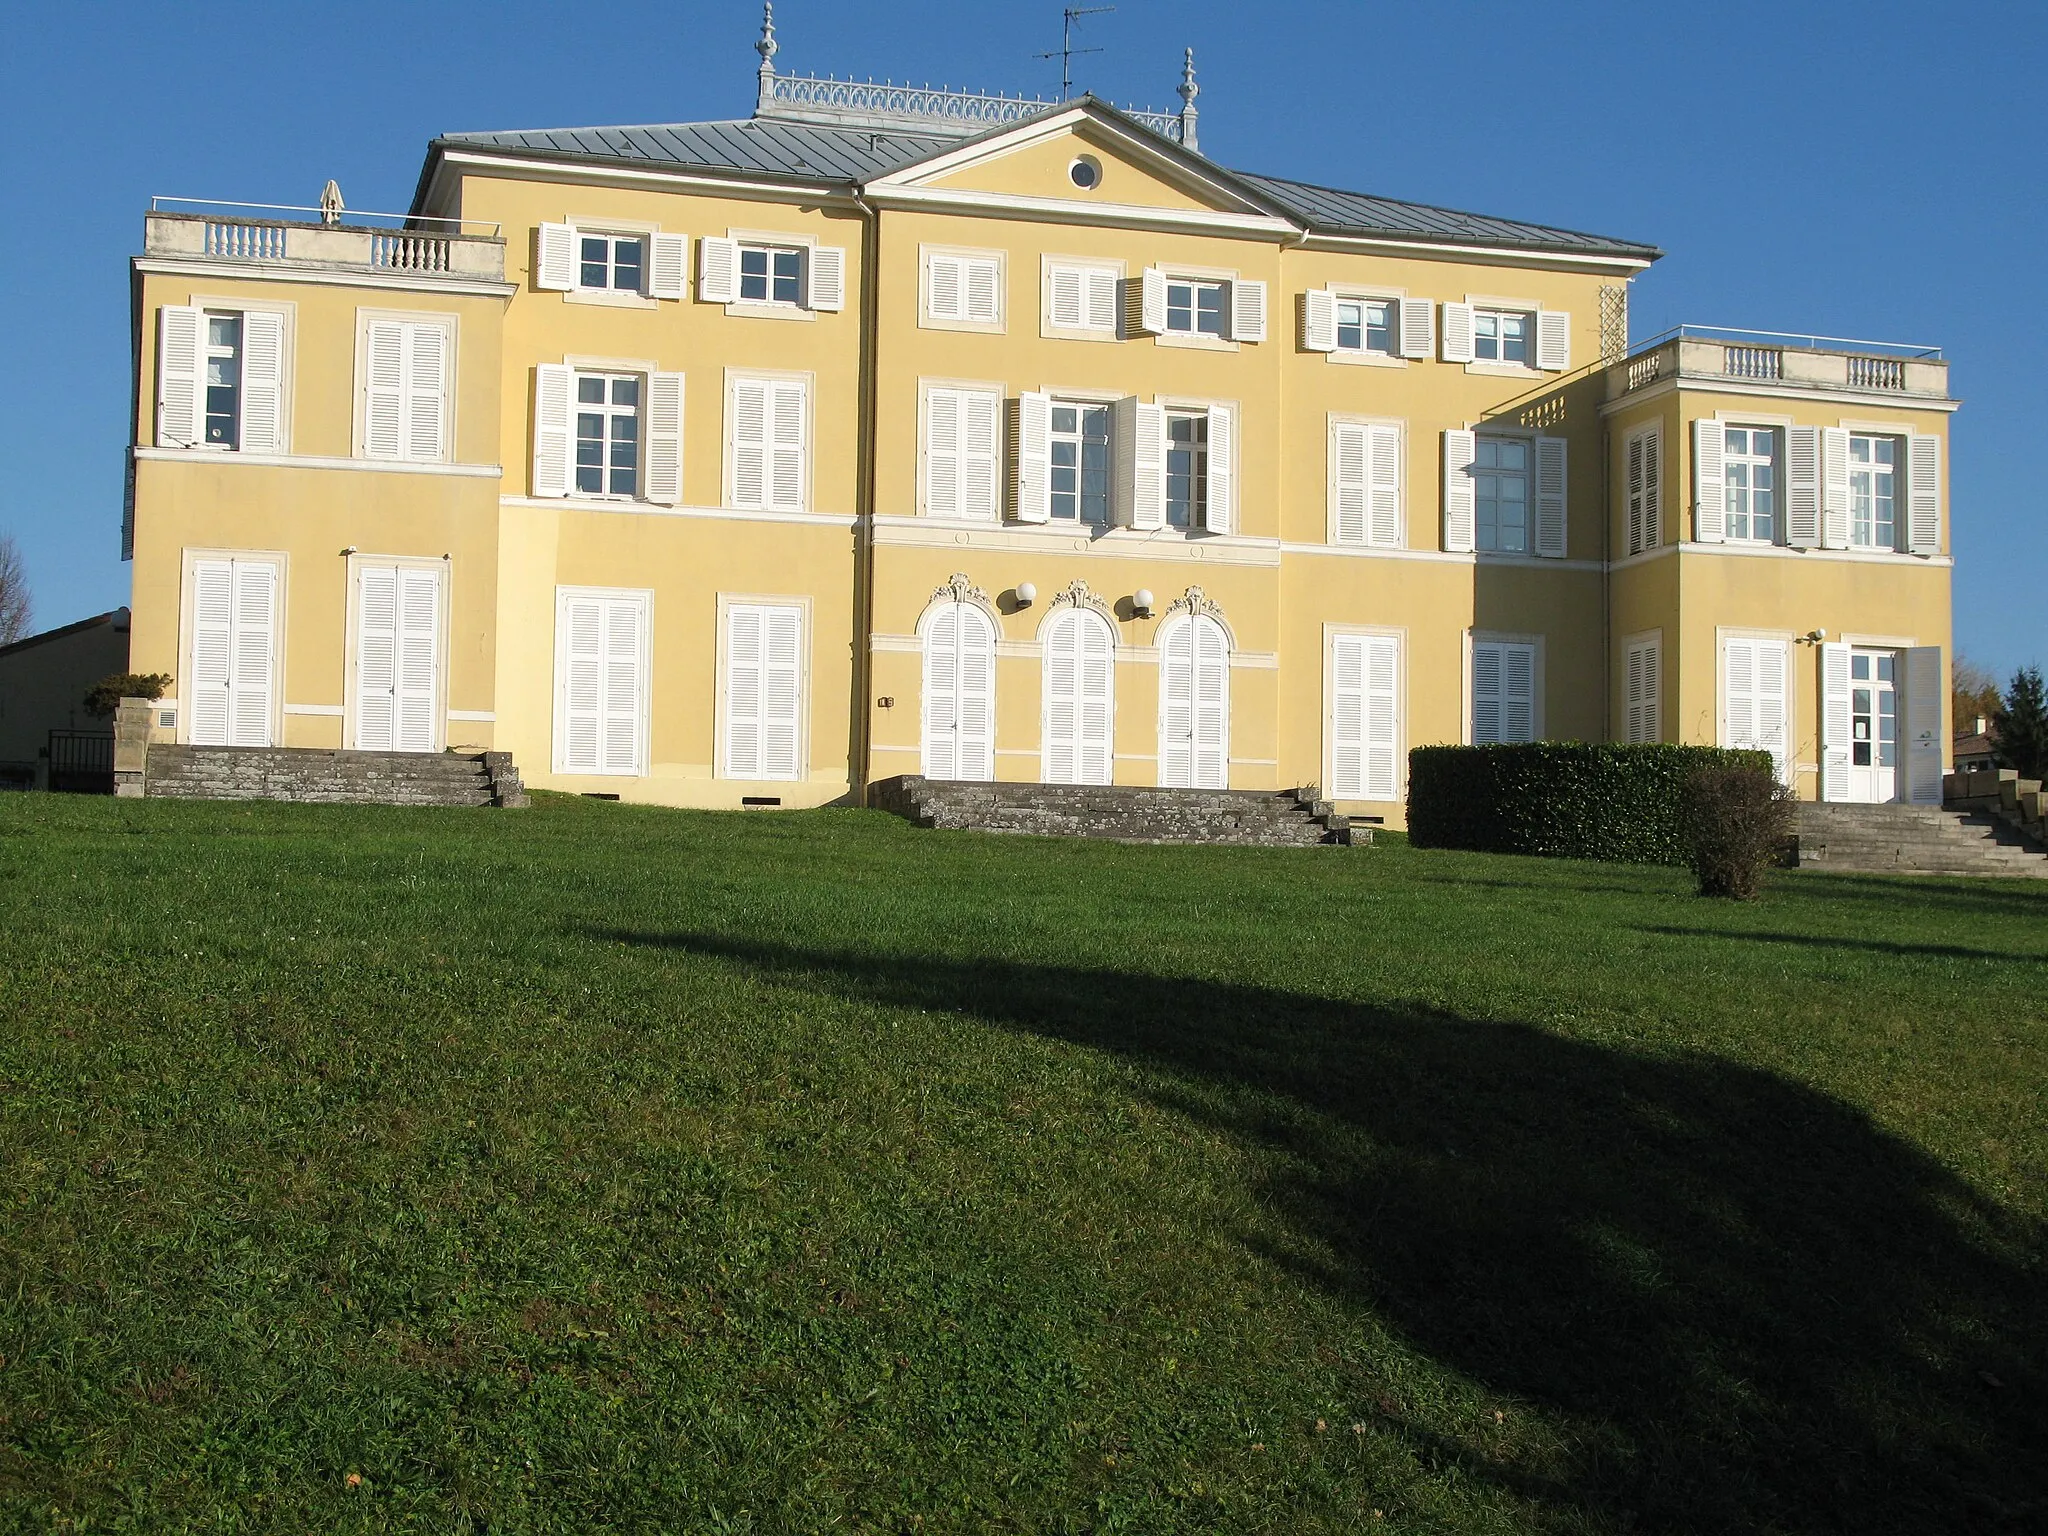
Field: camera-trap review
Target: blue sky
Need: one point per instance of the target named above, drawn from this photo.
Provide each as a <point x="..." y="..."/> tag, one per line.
<point x="1866" y="170"/>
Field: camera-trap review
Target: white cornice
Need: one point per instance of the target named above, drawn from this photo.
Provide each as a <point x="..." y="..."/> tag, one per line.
<point x="576" y="170"/>
<point x="652" y="509"/>
<point x="1116" y="543"/>
<point x="1897" y="559"/>
<point x="343" y="277"/>
<point x="1514" y="256"/>
<point x="1054" y="210"/>
<point x="1717" y="384"/>
<point x="1442" y="557"/>
<point x="212" y="458"/>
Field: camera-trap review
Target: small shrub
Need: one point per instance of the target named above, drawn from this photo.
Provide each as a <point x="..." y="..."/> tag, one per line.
<point x="1737" y="820"/>
<point x="105" y="696"/>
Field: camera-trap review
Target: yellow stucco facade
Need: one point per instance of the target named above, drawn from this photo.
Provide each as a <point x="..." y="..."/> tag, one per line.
<point x="736" y="586"/>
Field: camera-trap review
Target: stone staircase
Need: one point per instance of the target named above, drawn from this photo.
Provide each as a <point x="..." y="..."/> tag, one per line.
<point x="1914" y="840"/>
<point x="316" y="775"/>
<point x="1126" y="813"/>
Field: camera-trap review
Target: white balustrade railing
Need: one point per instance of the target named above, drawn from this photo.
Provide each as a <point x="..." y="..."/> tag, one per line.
<point x="1754" y="363"/>
<point x="410" y="253"/>
<point x="244" y="242"/>
<point x="1646" y="369"/>
<point x="1877" y="373"/>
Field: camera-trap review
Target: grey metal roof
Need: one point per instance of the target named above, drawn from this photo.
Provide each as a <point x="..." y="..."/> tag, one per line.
<point x="850" y="156"/>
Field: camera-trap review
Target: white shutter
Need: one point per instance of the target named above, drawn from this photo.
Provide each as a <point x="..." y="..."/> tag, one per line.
<point x="1834" y="488"/>
<point x="1553" y="340"/>
<point x="984" y="297"/>
<point x="827" y="268"/>
<point x="782" y="694"/>
<point x="262" y="382"/>
<point x="1383" y="522"/>
<point x="941" y="759"/>
<point x="1644" y="713"/>
<point x="1140" y="490"/>
<point x="1754" y="709"/>
<point x="1247" y="310"/>
<point x="1923" y="725"/>
<point x="1550" y="497"/>
<point x="1773" y="717"/>
<point x="1457" y="337"/>
<point x="1034" y="457"/>
<point x="213" y="628"/>
<point x="385" y="398"/>
<point x="1802" y="488"/>
<point x="1710" y="483"/>
<point x="745" y="688"/>
<point x="1211" y="704"/>
<point x="789" y="452"/>
<point x="1098" y="701"/>
<point x="1503" y="692"/>
<point x="942" y="410"/>
<point x="1836" y="721"/>
<point x="1177" y="707"/>
<point x="1061" y="726"/>
<point x="1101" y="283"/>
<point x="749" y="446"/>
<point x="981" y="454"/>
<point x="718" y="270"/>
<point x="665" y="438"/>
<point x="1486" y="688"/>
<point x="376" y="658"/>
<point x="1923" y="494"/>
<point x="945" y="297"/>
<point x="624" y="687"/>
<point x="1461" y="496"/>
<point x="668" y="266"/>
<point x="1152" y="304"/>
<point x="554" y="264"/>
<point x="180" y="376"/>
<point x="1651" y="521"/>
<point x="1418" y="328"/>
<point x="1318" y="321"/>
<point x="426" y="393"/>
<point x="1347" y="717"/>
<point x="554" y="428"/>
<point x="252" y="682"/>
<point x="1066" y="298"/>
<point x="579" y="682"/>
<point x="1365" y="723"/>
<point x="414" y="690"/>
<point x="1350" y="482"/>
<point x="1221" y="496"/>
<point x="1080" y="702"/>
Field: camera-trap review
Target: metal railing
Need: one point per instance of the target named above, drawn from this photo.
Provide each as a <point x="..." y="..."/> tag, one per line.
<point x="833" y="98"/>
<point x="361" y="218"/>
<point x="1789" y="340"/>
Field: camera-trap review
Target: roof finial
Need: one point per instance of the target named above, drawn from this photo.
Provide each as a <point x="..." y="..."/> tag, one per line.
<point x="1188" y="92"/>
<point x="766" y="47"/>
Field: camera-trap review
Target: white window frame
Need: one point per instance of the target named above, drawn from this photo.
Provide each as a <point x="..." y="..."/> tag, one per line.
<point x="1528" y="442"/>
<point x="1331" y="634"/>
<point x="280" y="619"/>
<point x="1188" y="405"/>
<point x="772" y="309"/>
<point x="1194" y="280"/>
<point x="924" y="425"/>
<point x="1048" y="265"/>
<point x="1085" y="401"/>
<point x="1477" y="637"/>
<point x="1777" y="465"/>
<point x="1794" y="733"/>
<point x="444" y="597"/>
<point x="928" y="319"/>
<point x="1333" y="530"/>
<point x="1901" y="449"/>
<point x="287" y="312"/>
<point x="581" y="370"/>
<point x="613" y="231"/>
<point x="1498" y="312"/>
<point x="643" y="598"/>
<point x="1362" y="354"/>
<point x="727" y="601"/>
<point x="729" y="478"/>
<point x="451" y="324"/>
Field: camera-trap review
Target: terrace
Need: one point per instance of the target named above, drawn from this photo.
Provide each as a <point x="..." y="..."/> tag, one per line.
<point x="282" y="235"/>
<point x="1724" y="357"/>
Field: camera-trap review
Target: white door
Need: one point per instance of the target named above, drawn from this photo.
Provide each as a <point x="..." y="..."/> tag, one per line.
<point x="1873" y="726"/>
<point x="398" y="646"/>
<point x="959" y="694"/>
<point x="234" y="646"/>
<point x="1754" y="699"/>
<point x="1364" y="698"/>
<point x="1080" y="699"/>
<point x="1194" y="706"/>
<point x="764" y="691"/>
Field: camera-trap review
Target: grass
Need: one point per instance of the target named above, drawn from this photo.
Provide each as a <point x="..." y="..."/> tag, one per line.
<point x="608" y="1169"/>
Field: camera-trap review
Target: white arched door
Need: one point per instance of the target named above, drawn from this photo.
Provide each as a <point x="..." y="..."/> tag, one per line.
<point x="1080" y="698"/>
<point x="1194" y="705"/>
<point x="959" y="693"/>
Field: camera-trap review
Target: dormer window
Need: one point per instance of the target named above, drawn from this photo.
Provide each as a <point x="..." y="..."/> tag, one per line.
<point x="771" y="275"/>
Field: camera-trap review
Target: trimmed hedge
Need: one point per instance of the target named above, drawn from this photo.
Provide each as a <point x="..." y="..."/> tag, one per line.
<point x="1560" y="799"/>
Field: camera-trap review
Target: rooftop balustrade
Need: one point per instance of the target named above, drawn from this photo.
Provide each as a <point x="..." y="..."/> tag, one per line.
<point x="258" y="234"/>
<point x="1706" y="355"/>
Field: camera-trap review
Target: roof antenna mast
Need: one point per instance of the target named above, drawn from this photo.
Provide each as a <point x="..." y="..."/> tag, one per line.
<point x="1068" y="17"/>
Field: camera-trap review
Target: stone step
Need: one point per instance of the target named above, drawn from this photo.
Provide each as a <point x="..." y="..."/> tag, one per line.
<point x="1914" y="839"/>
<point x="1125" y="813"/>
<point x="323" y="776"/>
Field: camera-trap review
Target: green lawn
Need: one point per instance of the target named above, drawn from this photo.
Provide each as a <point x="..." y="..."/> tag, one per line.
<point x="605" y="1169"/>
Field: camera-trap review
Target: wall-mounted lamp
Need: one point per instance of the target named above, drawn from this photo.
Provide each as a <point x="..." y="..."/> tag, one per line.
<point x="1813" y="636"/>
<point x="1141" y="603"/>
<point x="349" y="551"/>
<point x="1027" y="594"/>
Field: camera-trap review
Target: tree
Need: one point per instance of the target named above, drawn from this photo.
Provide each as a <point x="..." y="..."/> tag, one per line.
<point x="1973" y="691"/>
<point x="15" y="612"/>
<point x="2023" y="725"/>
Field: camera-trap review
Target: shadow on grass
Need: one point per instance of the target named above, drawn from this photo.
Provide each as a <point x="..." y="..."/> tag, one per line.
<point x="1868" y="946"/>
<point x="1752" y="1307"/>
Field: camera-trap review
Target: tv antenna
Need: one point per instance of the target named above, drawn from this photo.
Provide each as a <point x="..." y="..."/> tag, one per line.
<point x="1068" y="17"/>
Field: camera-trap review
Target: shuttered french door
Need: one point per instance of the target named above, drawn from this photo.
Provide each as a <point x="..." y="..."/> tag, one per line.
<point x="1754" y="679"/>
<point x="1364" y="725"/>
<point x="763" y="691"/>
<point x="1080" y="699"/>
<point x="233" y="693"/>
<point x="959" y="694"/>
<point x="398" y="656"/>
<point x="601" y="666"/>
<point x="1194" y="706"/>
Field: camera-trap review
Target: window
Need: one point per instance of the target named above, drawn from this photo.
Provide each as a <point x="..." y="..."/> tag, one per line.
<point x="1187" y="468"/>
<point x="1503" y="692"/>
<point x="1501" y="336"/>
<point x="1645" y="490"/>
<point x="1873" y="710"/>
<point x="1500" y="477"/>
<point x="1085" y="172"/>
<point x="607" y="434"/>
<point x="1642" y="705"/>
<point x="771" y="275"/>
<point x="962" y="452"/>
<point x="1365" y="483"/>
<point x="1080" y="298"/>
<point x="1367" y="325"/>
<point x="1196" y="309"/>
<point x="768" y="422"/>
<point x="1749" y="461"/>
<point x="1754" y="697"/>
<point x="615" y="262"/>
<point x="764" y="691"/>
<point x="223" y="381"/>
<point x="601" y="689"/>
<point x="964" y="290"/>
<point x="221" y="378"/>
<point x="405" y="374"/>
<point x="1364" y="728"/>
<point x="1079" y="443"/>
<point x="1873" y="491"/>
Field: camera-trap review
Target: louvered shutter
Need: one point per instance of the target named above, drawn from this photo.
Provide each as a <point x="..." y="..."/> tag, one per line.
<point x="255" y="621"/>
<point x="1101" y="299"/>
<point x="790" y="447"/>
<point x="1318" y="321"/>
<point x="984" y="297"/>
<point x="782" y="694"/>
<point x="1383" y="467"/>
<point x="1457" y="336"/>
<point x="1644" y="715"/>
<point x="942" y="452"/>
<point x="385" y="397"/>
<point x="718" y="269"/>
<point x="426" y="393"/>
<point x="1802" y="488"/>
<point x="1461" y="496"/>
<point x="1755" y="708"/>
<point x="981" y="454"/>
<point x="945" y="291"/>
<point x="1646" y="474"/>
<point x="1350" y="482"/>
<point x="749" y="428"/>
<point x="1062" y="726"/>
<point x="554" y="262"/>
<point x="1834" y="488"/>
<point x="1382" y="717"/>
<point x="1177" y="707"/>
<point x="419" y="615"/>
<point x="1152" y="305"/>
<point x="1211" y="705"/>
<point x="1923" y="494"/>
<point x="668" y="266"/>
<point x="745" y="664"/>
<point x="554" y="428"/>
<point x="623" y="687"/>
<point x="1923" y="725"/>
<point x="1221" y="496"/>
<point x="1096" y="668"/>
<point x="1418" y="328"/>
<point x="581" y="681"/>
<point x="376" y="658"/>
<point x="1140" y="490"/>
<point x="180" y="376"/>
<point x="262" y="382"/>
<point x="1836" y="721"/>
<point x="1486" y="688"/>
<point x="1034" y="458"/>
<point x="1553" y="340"/>
<point x="1347" y="717"/>
<point x="213" y="626"/>
<point x="977" y="708"/>
<point x="665" y="438"/>
<point x="1710" y="485"/>
<point x="1550" y="497"/>
<point x="1066" y="298"/>
<point x="942" y="693"/>
<point x="1518" y="692"/>
<point x="1247" y="310"/>
<point x="1772" y="715"/>
<point x="828" y="277"/>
